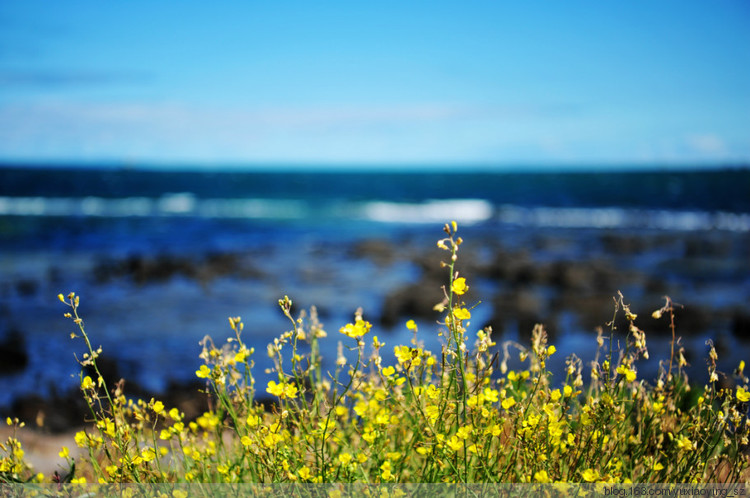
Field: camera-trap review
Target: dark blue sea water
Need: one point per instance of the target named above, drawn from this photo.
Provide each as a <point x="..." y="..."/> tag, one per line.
<point x="160" y="259"/>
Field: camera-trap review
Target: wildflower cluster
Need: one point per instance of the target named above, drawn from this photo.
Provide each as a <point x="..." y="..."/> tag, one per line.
<point x="408" y="414"/>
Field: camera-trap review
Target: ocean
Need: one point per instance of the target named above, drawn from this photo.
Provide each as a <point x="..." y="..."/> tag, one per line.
<point x="160" y="259"/>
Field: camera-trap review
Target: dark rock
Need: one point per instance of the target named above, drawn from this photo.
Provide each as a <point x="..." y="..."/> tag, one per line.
<point x="524" y="302"/>
<point x="54" y="274"/>
<point x="144" y="269"/>
<point x="382" y="252"/>
<point x="431" y="268"/>
<point x="108" y="368"/>
<point x="56" y="414"/>
<point x="186" y="397"/>
<point x="688" y="319"/>
<point x="148" y="269"/>
<point x="593" y="310"/>
<point x="623" y="245"/>
<point x="656" y="286"/>
<point x="27" y="287"/>
<point x="691" y="320"/>
<point x="584" y="276"/>
<point x="216" y="265"/>
<point x="705" y="270"/>
<point x="569" y="276"/>
<point x="526" y="307"/>
<point x="516" y="268"/>
<point x="702" y="247"/>
<point x="411" y="301"/>
<point x="741" y="325"/>
<point x="13" y="355"/>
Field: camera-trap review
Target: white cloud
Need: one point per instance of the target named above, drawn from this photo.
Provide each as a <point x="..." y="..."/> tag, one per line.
<point x="417" y="132"/>
<point x="172" y="131"/>
<point x="707" y="144"/>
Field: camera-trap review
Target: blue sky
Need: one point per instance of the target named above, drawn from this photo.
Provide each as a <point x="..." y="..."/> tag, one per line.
<point x="377" y="83"/>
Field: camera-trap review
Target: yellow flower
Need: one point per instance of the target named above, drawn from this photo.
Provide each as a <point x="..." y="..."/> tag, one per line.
<point x="386" y="475"/>
<point x="590" y="475"/>
<point x="241" y="355"/>
<point x="290" y="391"/>
<point x="304" y="473"/>
<point x="357" y="329"/>
<point x="628" y="372"/>
<point x="464" y="432"/>
<point x="107" y="426"/>
<point x="541" y="476"/>
<point x="432" y="412"/>
<point x="341" y="411"/>
<point x="382" y="417"/>
<point x="658" y="407"/>
<point x="369" y="435"/>
<point x="402" y="353"/>
<point x="508" y="403"/>
<point x="360" y="408"/>
<point x="455" y="444"/>
<point x="684" y="443"/>
<point x="490" y="394"/>
<point x="81" y="439"/>
<point x="461" y="313"/>
<point x="64" y="453"/>
<point x="459" y="286"/>
<point x="275" y="389"/>
<point x="272" y="440"/>
<point x="551" y="350"/>
<point x="532" y="420"/>
<point x="411" y="325"/>
<point x="495" y="430"/>
<point x="282" y="390"/>
<point x="743" y="395"/>
<point x="388" y="371"/>
<point x="203" y="373"/>
<point x="148" y="454"/>
<point x="158" y="407"/>
<point x="567" y="391"/>
<point x="87" y="383"/>
<point x="555" y="395"/>
<point x="345" y="458"/>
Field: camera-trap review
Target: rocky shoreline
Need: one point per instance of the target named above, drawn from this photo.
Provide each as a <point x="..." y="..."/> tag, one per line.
<point x="534" y="282"/>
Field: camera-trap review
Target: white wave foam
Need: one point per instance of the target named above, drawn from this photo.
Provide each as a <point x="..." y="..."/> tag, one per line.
<point x="613" y="218"/>
<point x="181" y="204"/>
<point x="466" y="211"/>
<point x="287" y="209"/>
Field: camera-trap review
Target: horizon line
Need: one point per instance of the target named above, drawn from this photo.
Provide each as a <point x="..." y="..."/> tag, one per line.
<point x="456" y="167"/>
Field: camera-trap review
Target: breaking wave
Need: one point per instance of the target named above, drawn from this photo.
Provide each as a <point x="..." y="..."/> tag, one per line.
<point x="467" y="211"/>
